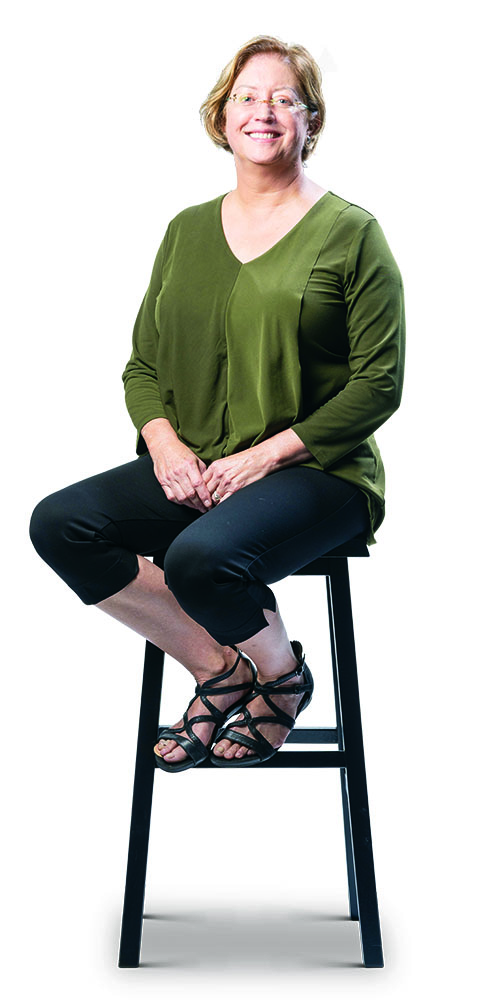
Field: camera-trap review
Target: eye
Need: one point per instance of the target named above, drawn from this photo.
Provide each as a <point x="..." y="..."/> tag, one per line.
<point x="245" y="99"/>
<point x="284" y="102"/>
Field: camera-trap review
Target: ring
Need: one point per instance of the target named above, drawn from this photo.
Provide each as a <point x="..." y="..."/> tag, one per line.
<point x="216" y="498"/>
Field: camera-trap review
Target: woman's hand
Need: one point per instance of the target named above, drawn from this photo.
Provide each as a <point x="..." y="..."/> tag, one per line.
<point x="178" y="470"/>
<point x="227" y="475"/>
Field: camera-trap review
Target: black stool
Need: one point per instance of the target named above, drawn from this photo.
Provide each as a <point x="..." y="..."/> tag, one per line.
<point x="349" y="758"/>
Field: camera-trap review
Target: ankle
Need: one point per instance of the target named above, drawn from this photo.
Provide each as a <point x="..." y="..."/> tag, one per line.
<point x="288" y="667"/>
<point x="220" y="661"/>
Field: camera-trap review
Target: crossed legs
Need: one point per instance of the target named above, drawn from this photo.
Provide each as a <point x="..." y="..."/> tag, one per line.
<point x="148" y="607"/>
<point x="213" y="596"/>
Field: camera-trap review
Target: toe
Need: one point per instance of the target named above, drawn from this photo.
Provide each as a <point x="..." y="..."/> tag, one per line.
<point x="175" y="755"/>
<point x="170" y="751"/>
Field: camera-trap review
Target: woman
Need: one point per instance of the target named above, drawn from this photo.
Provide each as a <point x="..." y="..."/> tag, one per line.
<point x="267" y="350"/>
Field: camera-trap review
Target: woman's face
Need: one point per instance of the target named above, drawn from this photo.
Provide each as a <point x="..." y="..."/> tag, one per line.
<point x="265" y="133"/>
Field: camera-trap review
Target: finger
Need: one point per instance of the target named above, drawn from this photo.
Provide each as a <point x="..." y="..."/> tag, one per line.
<point x="181" y="499"/>
<point x="220" y="484"/>
<point x="192" y="484"/>
<point x="211" y="479"/>
<point x="203" y="492"/>
<point x="195" y="503"/>
<point x="216" y="472"/>
<point x="168" y="493"/>
<point x="195" y="490"/>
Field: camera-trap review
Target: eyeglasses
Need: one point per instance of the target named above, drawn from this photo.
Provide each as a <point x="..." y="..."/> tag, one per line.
<point x="281" y="102"/>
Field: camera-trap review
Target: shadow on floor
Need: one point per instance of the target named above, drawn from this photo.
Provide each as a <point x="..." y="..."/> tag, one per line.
<point x="273" y="940"/>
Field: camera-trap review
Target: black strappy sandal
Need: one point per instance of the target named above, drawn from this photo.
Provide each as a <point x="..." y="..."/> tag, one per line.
<point x="263" y="750"/>
<point x="191" y="743"/>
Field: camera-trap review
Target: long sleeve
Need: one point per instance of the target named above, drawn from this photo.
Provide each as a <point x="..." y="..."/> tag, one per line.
<point x="142" y="391"/>
<point x="375" y="327"/>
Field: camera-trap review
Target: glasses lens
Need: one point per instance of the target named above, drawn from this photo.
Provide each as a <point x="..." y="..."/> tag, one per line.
<point x="281" y="102"/>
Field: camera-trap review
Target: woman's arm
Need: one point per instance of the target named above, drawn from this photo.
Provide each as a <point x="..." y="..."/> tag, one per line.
<point x="178" y="470"/>
<point x="376" y="330"/>
<point x="142" y="394"/>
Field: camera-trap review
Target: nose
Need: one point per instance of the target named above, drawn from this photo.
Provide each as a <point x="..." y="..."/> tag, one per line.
<point x="265" y="109"/>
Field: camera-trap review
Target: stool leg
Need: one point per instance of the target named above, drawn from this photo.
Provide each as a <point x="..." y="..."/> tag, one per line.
<point x="351" y="877"/>
<point x="369" y="924"/>
<point x="355" y="793"/>
<point x="133" y="905"/>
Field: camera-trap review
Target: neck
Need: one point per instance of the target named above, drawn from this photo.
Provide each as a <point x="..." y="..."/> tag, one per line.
<point x="262" y="186"/>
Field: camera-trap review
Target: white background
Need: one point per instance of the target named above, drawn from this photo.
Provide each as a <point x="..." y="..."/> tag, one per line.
<point x="103" y="147"/>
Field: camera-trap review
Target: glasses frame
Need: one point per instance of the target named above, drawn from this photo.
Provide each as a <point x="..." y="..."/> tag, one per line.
<point x="239" y="99"/>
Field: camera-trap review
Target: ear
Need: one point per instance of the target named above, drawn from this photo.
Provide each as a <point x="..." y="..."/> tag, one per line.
<point x="314" y="124"/>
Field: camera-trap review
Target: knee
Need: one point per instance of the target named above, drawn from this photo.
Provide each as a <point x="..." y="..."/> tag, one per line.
<point x="50" y="525"/>
<point x="43" y="524"/>
<point x="194" y="566"/>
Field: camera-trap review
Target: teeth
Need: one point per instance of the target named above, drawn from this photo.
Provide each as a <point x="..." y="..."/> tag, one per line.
<point x="263" y="135"/>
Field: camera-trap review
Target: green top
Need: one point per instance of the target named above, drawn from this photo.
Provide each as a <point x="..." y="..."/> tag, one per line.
<point x="308" y="335"/>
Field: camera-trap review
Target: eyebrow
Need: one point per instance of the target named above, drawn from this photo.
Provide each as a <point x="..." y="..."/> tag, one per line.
<point x="250" y="86"/>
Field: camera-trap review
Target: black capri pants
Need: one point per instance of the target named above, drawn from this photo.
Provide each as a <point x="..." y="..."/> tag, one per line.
<point x="218" y="564"/>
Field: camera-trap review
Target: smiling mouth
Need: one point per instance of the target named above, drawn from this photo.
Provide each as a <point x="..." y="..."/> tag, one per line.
<point x="263" y="135"/>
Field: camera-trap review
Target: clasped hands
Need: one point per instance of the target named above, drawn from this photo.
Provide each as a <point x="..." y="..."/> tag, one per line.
<point x="186" y="479"/>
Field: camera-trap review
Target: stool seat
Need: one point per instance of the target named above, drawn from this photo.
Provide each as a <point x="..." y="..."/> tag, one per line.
<point x="319" y="567"/>
<point x="344" y="744"/>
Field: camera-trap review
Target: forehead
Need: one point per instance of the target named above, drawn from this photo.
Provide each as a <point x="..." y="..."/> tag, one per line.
<point x="267" y="69"/>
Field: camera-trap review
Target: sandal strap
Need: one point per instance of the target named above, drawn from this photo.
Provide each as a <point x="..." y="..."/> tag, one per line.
<point x="213" y="682"/>
<point x="212" y="686"/>
<point x="257" y="742"/>
<point x="272" y="686"/>
<point x="278" y="718"/>
<point x="280" y="686"/>
<point x="191" y="743"/>
<point x="276" y="685"/>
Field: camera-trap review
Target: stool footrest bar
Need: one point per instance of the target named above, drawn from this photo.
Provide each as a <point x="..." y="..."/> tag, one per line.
<point x="315" y="735"/>
<point x="295" y="758"/>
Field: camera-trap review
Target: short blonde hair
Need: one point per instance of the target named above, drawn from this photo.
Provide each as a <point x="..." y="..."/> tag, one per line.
<point x="307" y="72"/>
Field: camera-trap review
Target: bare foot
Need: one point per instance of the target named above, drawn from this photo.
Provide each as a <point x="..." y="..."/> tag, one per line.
<point x="170" y="750"/>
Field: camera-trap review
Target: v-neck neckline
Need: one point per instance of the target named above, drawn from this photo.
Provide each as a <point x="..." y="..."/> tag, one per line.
<point x="245" y="263"/>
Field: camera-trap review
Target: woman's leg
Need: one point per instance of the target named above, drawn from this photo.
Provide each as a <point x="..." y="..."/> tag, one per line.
<point x="148" y="607"/>
<point x="272" y="652"/>
<point x="90" y="534"/>
<point x="219" y="569"/>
